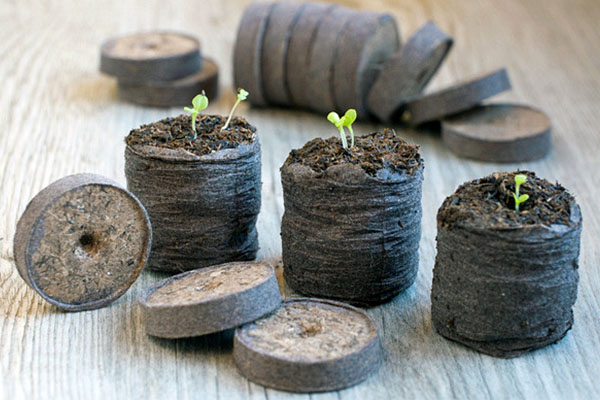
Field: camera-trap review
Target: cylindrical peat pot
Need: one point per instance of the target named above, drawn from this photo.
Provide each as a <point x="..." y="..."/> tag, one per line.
<point x="202" y="195"/>
<point x="505" y="283"/>
<point x="352" y="220"/>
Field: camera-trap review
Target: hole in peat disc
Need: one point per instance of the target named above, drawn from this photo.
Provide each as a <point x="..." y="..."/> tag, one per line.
<point x="89" y="242"/>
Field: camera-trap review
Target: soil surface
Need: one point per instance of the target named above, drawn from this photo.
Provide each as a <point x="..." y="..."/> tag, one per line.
<point x="488" y="202"/>
<point x="372" y="152"/>
<point x="176" y="132"/>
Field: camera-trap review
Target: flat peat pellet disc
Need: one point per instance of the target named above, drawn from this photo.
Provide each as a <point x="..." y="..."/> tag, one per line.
<point x="319" y="83"/>
<point x="368" y="41"/>
<point x="145" y="57"/>
<point x="308" y="345"/>
<point x="248" y="51"/>
<point x="406" y="74"/>
<point x="210" y="300"/>
<point x="179" y="92"/>
<point x="82" y="242"/>
<point x="456" y="98"/>
<point x="302" y="38"/>
<point x="282" y="19"/>
<point x="498" y="133"/>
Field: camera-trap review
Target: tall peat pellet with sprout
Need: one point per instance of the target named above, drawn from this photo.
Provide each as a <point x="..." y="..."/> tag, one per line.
<point x="199" y="177"/>
<point x="506" y="271"/>
<point x="352" y="220"/>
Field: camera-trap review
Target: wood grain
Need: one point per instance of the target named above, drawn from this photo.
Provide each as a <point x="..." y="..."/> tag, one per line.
<point x="59" y="115"/>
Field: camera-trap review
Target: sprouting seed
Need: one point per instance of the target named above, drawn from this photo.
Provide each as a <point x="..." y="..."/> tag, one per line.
<point x="241" y="96"/>
<point x="199" y="103"/>
<point x="519" y="180"/>
<point x="346" y="121"/>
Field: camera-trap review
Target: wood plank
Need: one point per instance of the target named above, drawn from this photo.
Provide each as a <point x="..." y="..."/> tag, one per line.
<point x="60" y="116"/>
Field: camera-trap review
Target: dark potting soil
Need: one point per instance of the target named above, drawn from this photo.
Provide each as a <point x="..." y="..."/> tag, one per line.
<point x="372" y="152"/>
<point x="176" y="133"/>
<point x="488" y="203"/>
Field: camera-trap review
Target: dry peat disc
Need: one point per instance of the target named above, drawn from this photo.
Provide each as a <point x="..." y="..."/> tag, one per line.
<point x="179" y="92"/>
<point x="82" y="241"/>
<point x="146" y="57"/>
<point x="302" y="37"/>
<point x="308" y="345"/>
<point x="456" y="98"/>
<point x="210" y="300"/>
<point x="406" y="74"/>
<point x="247" y="53"/>
<point x="282" y="19"/>
<point x="498" y="133"/>
<point x="369" y="40"/>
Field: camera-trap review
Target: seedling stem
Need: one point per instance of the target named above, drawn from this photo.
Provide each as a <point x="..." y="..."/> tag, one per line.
<point x="242" y="95"/>
<point x="199" y="103"/>
<point x="519" y="180"/>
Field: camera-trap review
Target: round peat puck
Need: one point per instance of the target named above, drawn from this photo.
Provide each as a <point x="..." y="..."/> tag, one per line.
<point x="179" y="92"/>
<point x="308" y="345"/>
<point x="498" y="133"/>
<point x="282" y="19"/>
<point x="82" y="241"/>
<point x="324" y="52"/>
<point x="406" y="74"/>
<point x="247" y="53"/>
<point x="368" y="41"/>
<point x="456" y="98"/>
<point x="210" y="300"/>
<point x="302" y="37"/>
<point x="146" y="57"/>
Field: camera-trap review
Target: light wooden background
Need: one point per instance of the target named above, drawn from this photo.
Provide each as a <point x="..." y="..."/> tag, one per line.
<point x="59" y="116"/>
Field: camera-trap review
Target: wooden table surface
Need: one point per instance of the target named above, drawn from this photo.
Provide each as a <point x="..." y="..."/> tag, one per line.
<point x="59" y="116"/>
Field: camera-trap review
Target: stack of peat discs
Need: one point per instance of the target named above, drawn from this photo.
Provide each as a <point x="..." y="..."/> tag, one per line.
<point x="300" y="345"/>
<point x="159" y="69"/>
<point x="327" y="57"/>
<point x="313" y="55"/>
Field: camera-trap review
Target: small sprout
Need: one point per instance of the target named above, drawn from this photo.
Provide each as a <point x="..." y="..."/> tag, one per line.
<point x="242" y="95"/>
<point x="346" y="121"/>
<point x="349" y="119"/>
<point x="335" y="119"/>
<point x="519" y="180"/>
<point x="199" y="103"/>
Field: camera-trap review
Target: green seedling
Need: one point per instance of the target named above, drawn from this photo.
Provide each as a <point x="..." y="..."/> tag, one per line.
<point x="346" y="121"/>
<point x="242" y="95"/>
<point x="199" y="103"/>
<point x="519" y="180"/>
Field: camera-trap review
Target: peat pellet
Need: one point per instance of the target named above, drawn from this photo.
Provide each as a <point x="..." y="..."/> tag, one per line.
<point x="309" y="345"/>
<point x="247" y="52"/>
<point x="179" y="92"/>
<point x="324" y="52"/>
<point x="302" y="37"/>
<point x="498" y="133"/>
<point x="351" y="226"/>
<point x="82" y="241"/>
<point x="368" y="41"/>
<point x="203" y="196"/>
<point x="282" y="19"/>
<point x="456" y="98"/>
<point x="405" y="75"/>
<point x="210" y="300"/>
<point x="145" y="57"/>
<point x="504" y="283"/>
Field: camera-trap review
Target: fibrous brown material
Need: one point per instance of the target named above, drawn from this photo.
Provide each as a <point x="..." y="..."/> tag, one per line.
<point x="203" y="195"/>
<point x="505" y="283"/>
<point x="210" y="300"/>
<point x="352" y="226"/>
<point x="308" y="345"/>
<point x="82" y="242"/>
